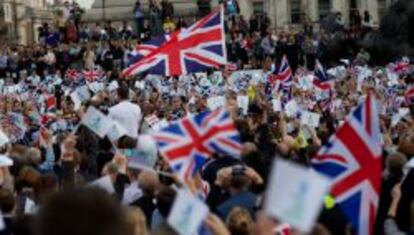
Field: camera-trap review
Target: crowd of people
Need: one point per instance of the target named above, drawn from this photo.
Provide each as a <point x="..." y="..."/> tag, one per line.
<point x="49" y="158"/>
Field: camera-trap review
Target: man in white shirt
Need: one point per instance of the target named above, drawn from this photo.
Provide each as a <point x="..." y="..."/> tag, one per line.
<point x="126" y="113"/>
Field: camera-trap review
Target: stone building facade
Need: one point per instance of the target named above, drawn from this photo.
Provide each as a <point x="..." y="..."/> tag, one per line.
<point x="20" y="20"/>
<point x="282" y="13"/>
<point x="287" y="12"/>
<point x="121" y="10"/>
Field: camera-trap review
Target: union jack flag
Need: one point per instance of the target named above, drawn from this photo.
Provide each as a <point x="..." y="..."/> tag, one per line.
<point x="281" y="78"/>
<point x="92" y="75"/>
<point x="191" y="50"/>
<point x="50" y="103"/>
<point x="409" y="95"/>
<point x="283" y="229"/>
<point x="401" y="66"/>
<point x="231" y="66"/>
<point x="284" y="73"/>
<point x="352" y="158"/>
<point x="72" y="74"/>
<point x="187" y="143"/>
<point x="321" y="80"/>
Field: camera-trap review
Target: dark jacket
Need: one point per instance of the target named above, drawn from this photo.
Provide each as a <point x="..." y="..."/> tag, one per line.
<point x="245" y="200"/>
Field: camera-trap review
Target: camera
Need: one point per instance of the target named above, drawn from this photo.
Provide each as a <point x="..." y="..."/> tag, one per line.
<point x="238" y="170"/>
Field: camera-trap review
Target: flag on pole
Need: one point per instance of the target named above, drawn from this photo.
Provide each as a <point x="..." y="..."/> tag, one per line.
<point x="352" y="158"/>
<point x="190" y="50"/>
<point x="187" y="143"/>
<point x="321" y="80"/>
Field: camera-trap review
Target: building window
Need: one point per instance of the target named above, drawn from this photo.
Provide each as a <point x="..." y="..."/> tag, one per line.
<point x="324" y="8"/>
<point x="258" y="8"/>
<point x="295" y="11"/>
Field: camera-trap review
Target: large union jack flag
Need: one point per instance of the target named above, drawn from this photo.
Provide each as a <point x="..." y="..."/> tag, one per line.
<point x="187" y="143"/>
<point x="352" y="158"/>
<point x="190" y="50"/>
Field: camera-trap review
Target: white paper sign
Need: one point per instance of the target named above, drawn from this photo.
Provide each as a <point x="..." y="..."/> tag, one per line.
<point x="310" y="118"/>
<point x="80" y="95"/>
<point x="131" y="193"/>
<point x="5" y="161"/>
<point x="97" y="122"/>
<point x="277" y="105"/>
<point x="96" y="87"/>
<point x="396" y="118"/>
<point x="187" y="213"/>
<point x="116" y="131"/>
<point x="113" y="86"/>
<point x="29" y="207"/>
<point x="306" y="82"/>
<point x="2" y="225"/>
<point x="3" y="138"/>
<point x="104" y="183"/>
<point x="291" y="108"/>
<point x="216" y="102"/>
<point x="299" y="194"/>
<point x="243" y="103"/>
<point x="140" y="85"/>
<point x="76" y="101"/>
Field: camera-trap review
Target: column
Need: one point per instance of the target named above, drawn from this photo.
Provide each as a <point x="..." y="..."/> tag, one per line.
<point x="372" y="8"/>
<point x="282" y="13"/>
<point x="246" y="8"/>
<point x="341" y="6"/>
<point x="311" y="9"/>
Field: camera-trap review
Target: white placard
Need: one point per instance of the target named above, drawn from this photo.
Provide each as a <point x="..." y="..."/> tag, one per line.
<point x="216" y="102"/>
<point x="3" y="138"/>
<point x="396" y="118"/>
<point x="5" y="161"/>
<point x="131" y="193"/>
<point x="187" y="213"/>
<point x="299" y="194"/>
<point x="310" y="118"/>
<point x="277" y="105"/>
<point x="140" y="85"/>
<point x="116" y="131"/>
<point x="243" y="103"/>
<point x="97" y="121"/>
<point x="30" y="207"/>
<point x="291" y="108"/>
<point x="76" y="100"/>
<point x="113" y="86"/>
<point x="2" y="224"/>
<point x="104" y="183"/>
<point x="96" y="87"/>
<point x="306" y="82"/>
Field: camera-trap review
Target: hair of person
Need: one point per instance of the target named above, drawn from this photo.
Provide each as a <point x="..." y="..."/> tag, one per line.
<point x="239" y="221"/>
<point x="165" y="199"/>
<point x="148" y="181"/>
<point x="123" y="92"/>
<point x="24" y="225"/>
<point x="27" y="177"/>
<point x="136" y="221"/>
<point x="80" y="211"/>
<point x="395" y="163"/>
<point x="319" y="229"/>
<point x="127" y="142"/>
<point x="46" y="184"/>
<point x="7" y="201"/>
<point x="240" y="182"/>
